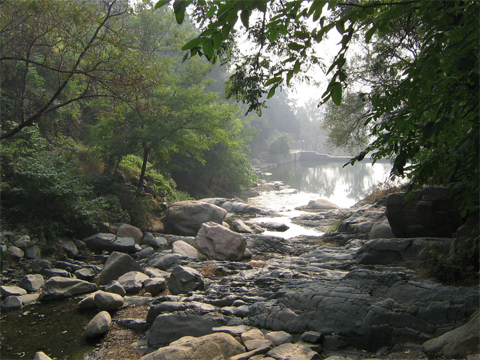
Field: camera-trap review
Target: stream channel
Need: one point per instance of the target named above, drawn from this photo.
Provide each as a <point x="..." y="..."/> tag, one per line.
<point x="57" y="327"/>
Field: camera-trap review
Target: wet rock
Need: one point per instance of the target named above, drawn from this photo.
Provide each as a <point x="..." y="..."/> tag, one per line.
<point x="129" y="231"/>
<point x="184" y="279"/>
<point x="321" y="204"/>
<point x="207" y="347"/>
<point x="458" y="343"/>
<point x="118" y="264"/>
<point x="279" y="337"/>
<point x="10" y="290"/>
<point x="170" y="327"/>
<point x="427" y="212"/>
<point x="293" y="352"/>
<point x="108" y="301"/>
<point x="110" y="242"/>
<point x="184" y="249"/>
<point x="186" y="217"/>
<point x="132" y="281"/>
<point x="274" y="226"/>
<point x="155" y="286"/>
<point x="219" y="243"/>
<point x="40" y="355"/>
<point x="32" y="282"/>
<point x="98" y="325"/>
<point x="115" y="287"/>
<point x="57" y="288"/>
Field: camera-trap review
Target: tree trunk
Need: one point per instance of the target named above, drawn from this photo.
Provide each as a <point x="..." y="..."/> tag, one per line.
<point x="146" y="151"/>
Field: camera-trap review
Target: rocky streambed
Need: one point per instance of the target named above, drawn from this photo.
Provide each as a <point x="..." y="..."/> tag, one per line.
<point x="206" y="292"/>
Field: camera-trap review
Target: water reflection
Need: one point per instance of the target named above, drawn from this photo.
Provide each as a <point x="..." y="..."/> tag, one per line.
<point x="343" y="186"/>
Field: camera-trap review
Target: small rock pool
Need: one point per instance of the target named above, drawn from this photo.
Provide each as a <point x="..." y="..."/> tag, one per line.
<point x="56" y="328"/>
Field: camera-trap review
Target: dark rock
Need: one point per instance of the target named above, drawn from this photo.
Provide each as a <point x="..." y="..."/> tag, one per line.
<point x="32" y="282"/>
<point x="98" y="325"/>
<point x="184" y="279"/>
<point x="57" y="288"/>
<point x="109" y="242"/>
<point x="68" y="246"/>
<point x="163" y="261"/>
<point x="429" y="212"/>
<point x="118" y="264"/>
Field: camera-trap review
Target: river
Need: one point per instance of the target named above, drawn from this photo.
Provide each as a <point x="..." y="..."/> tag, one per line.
<point x="313" y="180"/>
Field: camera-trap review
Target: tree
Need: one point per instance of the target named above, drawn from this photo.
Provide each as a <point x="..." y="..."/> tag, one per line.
<point x="425" y="118"/>
<point x="54" y="54"/>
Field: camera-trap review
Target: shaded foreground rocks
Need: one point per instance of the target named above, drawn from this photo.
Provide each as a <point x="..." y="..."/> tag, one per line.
<point x="98" y="325"/>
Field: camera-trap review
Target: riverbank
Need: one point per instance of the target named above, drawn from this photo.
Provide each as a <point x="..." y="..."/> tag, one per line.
<point x="356" y="289"/>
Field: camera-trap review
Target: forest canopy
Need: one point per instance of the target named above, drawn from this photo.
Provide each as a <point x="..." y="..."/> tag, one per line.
<point x="423" y="72"/>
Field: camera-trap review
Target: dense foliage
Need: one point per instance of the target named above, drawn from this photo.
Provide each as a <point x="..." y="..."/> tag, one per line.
<point x="424" y="114"/>
<point x="95" y="103"/>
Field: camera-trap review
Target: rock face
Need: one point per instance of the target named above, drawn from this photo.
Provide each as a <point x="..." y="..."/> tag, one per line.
<point x="57" y="288"/>
<point x="98" y="325"/>
<point x="458" y="343"/>
<point x="212" y="346"/>
<point x="427" y="212"/>
<point x="186" y="217"/>
<point x="219" y="243"/>
<point x="118" y="264"/>
<point x="185" y="279"/>
<point x="170" y="327"/>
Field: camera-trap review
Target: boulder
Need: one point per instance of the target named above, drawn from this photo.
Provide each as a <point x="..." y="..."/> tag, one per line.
<point x="321" y="204"/>
<point x="32" y="282"/>
<point x="23" y="242"/>
<point x="293" y="352"/>
<point x="40" y="355"/>
<point x="115" y="287"/>
<point x="88" y="302"/>
<point x="428" y="212"/>
<point x="155" y="286"/>
<point x="68" y="246"/>
<point x="57" y="272"/>
<point x="129" y="231"/>
<point x="182" y="248"/>
<point x="219" y="243"/>
<point x="456" y="344"/>
<point x="11" y="290"/>
<point x="163" y="261"/>
<point x="274" y="226"/>
<point x="16" y="252"/>
<point x="279" y="337"/>
<point x="252" y="334"/>
<point x="58" y="287"/>
<point x="240" y="227"/>
<point x="11" y="303"/>
<point x="107" y="301"/>
<point x="207" y="347"/>
<point x="110" y="242"/>
<point x="118" y="264"/>
<point x="98" y="325"/>
<point x="170" y="327"/>
<point x="132" y="281"/>
<point x="184" y="279"/>
<point x="145" y="253"/>
<point x="381" y="230"/>
<point x="87" y="274"/>
<point x="33" y="252"/>
<point x="186" y="217"/>
<point x="155" y="242"/>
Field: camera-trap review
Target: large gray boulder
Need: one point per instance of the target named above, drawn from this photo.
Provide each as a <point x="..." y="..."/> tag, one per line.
<point x="68" y="246"/>
<point x="98" y="325"/>
<point x="217" y="242"/>
<point x="184" y="279"/>
<point x="130" y="231"/>
<point x="132" y="281"/>
<point x="118" y="264"/>
<point x="32" y="282"/>
<point x="58" y="287"/>
<point x="207" y="347"/>
<point x="170" y="327"/>
<point x="108" y="301"/>
<point x="186" y="217"/>
<point x="427" y="212"/>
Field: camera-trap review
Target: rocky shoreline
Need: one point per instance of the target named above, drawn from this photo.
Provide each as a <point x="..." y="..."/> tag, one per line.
<point x="351" y="293"/>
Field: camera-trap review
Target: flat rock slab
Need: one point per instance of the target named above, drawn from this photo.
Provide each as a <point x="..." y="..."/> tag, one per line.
<point x="293" y="352"/>
<point x="58" y="287"/>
